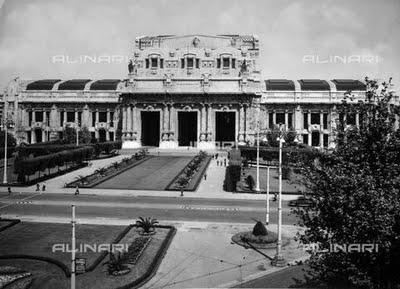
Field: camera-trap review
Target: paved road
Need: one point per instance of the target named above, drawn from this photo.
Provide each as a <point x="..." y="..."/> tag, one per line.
<point x="282" y="279"/>
<point x="162" y="208"/>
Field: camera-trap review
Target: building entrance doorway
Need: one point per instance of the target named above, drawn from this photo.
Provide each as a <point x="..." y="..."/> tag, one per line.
<point x="38" y="135"/>
<point x="187" y="128"/>
<point x="102" y="135"/>
<point x="224" y="126"/>
<point x="150" y="128"/>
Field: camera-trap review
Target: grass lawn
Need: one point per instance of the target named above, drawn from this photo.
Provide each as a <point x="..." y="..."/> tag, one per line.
<point x="153" y="174"/>
<point x="37" y="239"/>
<point x="292" y="185"/>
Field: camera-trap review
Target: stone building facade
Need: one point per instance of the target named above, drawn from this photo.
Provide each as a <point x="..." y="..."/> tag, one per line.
<point x="193" y="90"/>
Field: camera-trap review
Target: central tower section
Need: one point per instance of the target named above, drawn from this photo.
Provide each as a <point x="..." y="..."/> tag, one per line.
<point x="195" y="85"/>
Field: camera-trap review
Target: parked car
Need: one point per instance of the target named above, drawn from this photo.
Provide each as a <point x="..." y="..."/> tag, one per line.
<point x="301" y="202"/>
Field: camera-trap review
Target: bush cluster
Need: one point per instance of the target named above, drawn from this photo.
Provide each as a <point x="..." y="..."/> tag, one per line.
<point x="27" y="167"/>
<point x="271" y="154"/>
<point x="232" y="176"/>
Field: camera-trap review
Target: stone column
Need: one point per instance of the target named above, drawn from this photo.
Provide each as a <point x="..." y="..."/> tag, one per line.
<point x="97" y="116"/>
<point x="309" y="120"/>
<point x="286" y="120"/>
<point x="298" y="120"/>
<point x="108" y="116"/>
<point x="247" y="122"/>
<point x="124" y="121"/>
<point x="65" y="117"/>
<point x="273" y="118"/>
<point x="33" y="136"/>
<point x="44" y="118"/>
<point x="209" y="123"/>
<point x="43" y="135"/>
<point x="85" y="116"/>
<point x="129" y="119"/>
<point x="172" y="116"/>
<point x="267" y="119"/>
<point x="33" y="116"/>
<point x="357" y="119"/>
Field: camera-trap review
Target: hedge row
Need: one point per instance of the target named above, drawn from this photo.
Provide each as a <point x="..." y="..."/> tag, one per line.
<point x="26" y="167"/>
<point x="289" y="155"/>
<point x="41" y="149"/>
<point x="106" y="147"/>
<point x="232" y="176"/>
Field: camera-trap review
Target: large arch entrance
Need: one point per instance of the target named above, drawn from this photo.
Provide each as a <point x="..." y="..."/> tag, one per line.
<point x="150" y="128"/>
<point x="224" y="126"/>
<point x="187" y="128"/>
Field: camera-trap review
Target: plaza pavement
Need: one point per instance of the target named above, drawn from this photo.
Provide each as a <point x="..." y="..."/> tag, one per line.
<point x="202" y="255"/>
<point x="209" y="188"/>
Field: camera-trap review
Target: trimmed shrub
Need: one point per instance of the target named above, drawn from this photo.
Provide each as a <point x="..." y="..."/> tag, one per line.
<point x="250" y="182"/>
<point x="259" y="229"/>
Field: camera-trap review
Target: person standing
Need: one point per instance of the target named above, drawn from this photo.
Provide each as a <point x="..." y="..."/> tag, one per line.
<point x="43" y="187"/>
<point x="205" y="176"/>
<point x="9" y="190"/>
<point x="76" y="190"/>
<point x="37" y="187"/>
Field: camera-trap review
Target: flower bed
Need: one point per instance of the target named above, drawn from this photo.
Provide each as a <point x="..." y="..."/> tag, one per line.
<point x="190" y="176"/>
<point x="136" y="249"/>
<point x="106" y="173"/>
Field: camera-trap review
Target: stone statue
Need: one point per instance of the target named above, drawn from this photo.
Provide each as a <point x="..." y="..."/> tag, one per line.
<point x="130" y="66"/>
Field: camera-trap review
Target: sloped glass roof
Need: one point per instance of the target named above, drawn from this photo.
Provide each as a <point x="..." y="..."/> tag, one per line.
<point x="279" y="84"/>
<point x="314" y="84"/>
<point x="349" y="84"/>
<point x="74" y="84"/>
<point x="44" y="84"/>
<point x="105" y="84"/>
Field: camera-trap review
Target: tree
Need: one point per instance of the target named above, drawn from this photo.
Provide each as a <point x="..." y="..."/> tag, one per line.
<point x="355" y="190"/>
<point x="11" y="142"/>
<point x="85" y="136"/>
<point x="69" y="135"/>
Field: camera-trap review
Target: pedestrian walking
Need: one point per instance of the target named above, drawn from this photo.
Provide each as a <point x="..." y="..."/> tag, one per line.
<point x="37" y="187"/>
<point x="43" y="187"/>
<point x="217" y="155"/>
<point x="205" y="176"/>
<point x="77" y="190"/>
<point x="217" y="162"/>
<point x="9" y="190"/>
<point x="224" y="162"/>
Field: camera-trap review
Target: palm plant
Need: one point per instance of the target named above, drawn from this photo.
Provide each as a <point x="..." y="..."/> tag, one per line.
<point x="115" y="264"/>
<point x="115" y="165"/>
<point x="147" y="224"/>
<point x="81" y="179"/>
<point x="101" y="171"/>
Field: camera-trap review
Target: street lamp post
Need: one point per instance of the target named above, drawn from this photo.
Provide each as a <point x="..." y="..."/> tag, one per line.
<point x="278" y="259"/>
<point x="267" y="214"/>
<point x="257" y="188"/>
<point x="73" y="240"/>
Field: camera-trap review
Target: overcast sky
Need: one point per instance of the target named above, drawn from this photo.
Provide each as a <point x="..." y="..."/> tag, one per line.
<point x="33" y="31"/>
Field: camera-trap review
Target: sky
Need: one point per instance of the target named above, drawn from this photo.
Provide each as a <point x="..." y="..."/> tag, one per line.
<point x="298" y="39"/>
